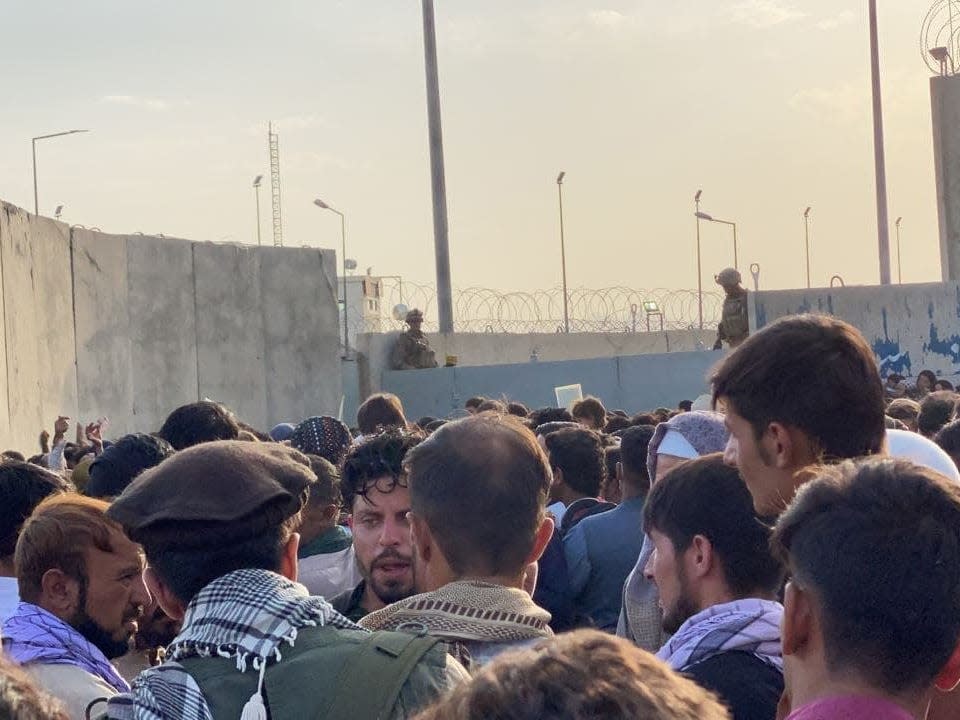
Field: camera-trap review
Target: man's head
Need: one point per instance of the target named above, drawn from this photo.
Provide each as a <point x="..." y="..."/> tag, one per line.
<point x="324" y="436"/>
<point x="581" y="675"/>
<point x="375" y="494"/>
<point x="906" y="411"/>
<point x="949" y="440"/>
<point x="685" y="406"/>
<point x="414" y="319"/>
<point x="729" y="279"/>
<point x="576" y="459"/>
<point x="213" y="509"/>
<point x="473" y="403"/>
<point x="518" y="409"/>
<point x="478" y="492"/>
<point x="873" y="552"/>
<point x="936" y="410"/>
<point x="199" y="422"/>
<point x="549" y="414"/>
<point x="22" y="487"/>
<point x="322" y="510"/>
<point x="380" y="412"/>
<point x="710" y="545"/>
<point x="802" y="391"/>
<point x="590" y="413"/>
<point x="77" y="564"/>
<point x="122" y="461"/>
<point x="633" y="473"/>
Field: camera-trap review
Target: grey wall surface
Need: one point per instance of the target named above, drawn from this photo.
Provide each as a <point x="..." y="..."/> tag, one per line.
<point x="909" y="327"/>
<point x="636" y="383"/>
<point x="130" y="327"/>
<point x="945" y="100"/>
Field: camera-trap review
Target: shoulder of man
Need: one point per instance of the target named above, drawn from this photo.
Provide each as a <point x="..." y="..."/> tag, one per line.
<point x="73" y="686"/>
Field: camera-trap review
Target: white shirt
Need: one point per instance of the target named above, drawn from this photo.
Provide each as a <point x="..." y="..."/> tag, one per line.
<point x="9" y="597"/>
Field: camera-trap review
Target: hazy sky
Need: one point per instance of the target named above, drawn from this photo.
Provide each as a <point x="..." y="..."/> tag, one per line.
<point x="765" y="104"/>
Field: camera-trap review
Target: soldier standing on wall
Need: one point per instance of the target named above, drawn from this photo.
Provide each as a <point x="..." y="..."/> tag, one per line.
<point x="412" y="351"/>
<point x="734" y="323"/>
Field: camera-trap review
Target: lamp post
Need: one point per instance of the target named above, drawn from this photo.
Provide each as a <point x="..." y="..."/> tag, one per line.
<point x="33" y="143"/>
<point x="710" y="218"/>
<point x="343" y="238"/>
<point x="899" y="267"/>
<point x="883" y="231"/>
<point x="256" y="190"/>
<point x="563" y="255"/>
<point x="806" y="232"/>
<point x="696" y="202"/>
<point x="56" y="213"/>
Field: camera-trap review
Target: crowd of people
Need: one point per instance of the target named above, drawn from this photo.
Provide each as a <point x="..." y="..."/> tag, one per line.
<point x="788" y="547"/>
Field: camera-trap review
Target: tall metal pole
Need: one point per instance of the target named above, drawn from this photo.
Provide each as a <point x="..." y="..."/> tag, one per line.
<point x="736" y="261"/>
<point x="343" y="238"/>
<point x="696" y="200"/>
<point x="806" y="233"/>
<point x="899" y="266"/>
<point x="437" y="178"/>
<point x="256" y="189"/>
<point x="883" y="231"/>
<point x="563" y="257"/>
<point x="36" y="202"/>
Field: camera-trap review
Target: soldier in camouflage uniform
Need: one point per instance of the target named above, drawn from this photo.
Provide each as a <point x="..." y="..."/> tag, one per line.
<point x="412" y="351"/>
<point x="734" y="322"/>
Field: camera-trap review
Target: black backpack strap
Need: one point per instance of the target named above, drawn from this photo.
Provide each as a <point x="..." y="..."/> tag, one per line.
<point x="390" y="657"/>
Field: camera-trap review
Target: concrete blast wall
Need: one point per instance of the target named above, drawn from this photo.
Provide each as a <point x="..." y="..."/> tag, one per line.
<point x="910" y="327"/>
<point x="130" y="327"/>
<point x="945" y="98"/>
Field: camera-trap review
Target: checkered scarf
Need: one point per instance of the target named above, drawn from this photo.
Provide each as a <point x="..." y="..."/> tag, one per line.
<point x="751" y="626"/>
<point x="247" y="615"/>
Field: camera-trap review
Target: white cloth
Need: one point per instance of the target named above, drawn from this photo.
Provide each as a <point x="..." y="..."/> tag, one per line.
<point x="675" y="444"/>
<point x="9" y="597"/>
<point x="921" y="451"/>
<point x="329" y="574"/>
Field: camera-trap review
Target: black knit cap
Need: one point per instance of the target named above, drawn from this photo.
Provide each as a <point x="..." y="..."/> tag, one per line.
<point x="231" y="489"/>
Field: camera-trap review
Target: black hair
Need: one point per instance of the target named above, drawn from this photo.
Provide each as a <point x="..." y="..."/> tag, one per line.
<point x="936" y="410"/>
<point x="199" y="422"/>
<point x="549" y="414"/>
<point x="123" y="461"/>
<point x="578" y="454"/>
<point x="634" y="443"/>
<point x="22" y="487"/>
<point x="375" y="459"/>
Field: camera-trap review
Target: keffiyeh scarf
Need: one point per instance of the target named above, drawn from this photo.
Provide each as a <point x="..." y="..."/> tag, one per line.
<point x="33" y="635"/>
<point x="247" y="615"/>
<point x="751" y="626"/>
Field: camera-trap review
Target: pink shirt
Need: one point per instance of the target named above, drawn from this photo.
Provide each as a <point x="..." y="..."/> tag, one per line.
<point x="851" y="707"/>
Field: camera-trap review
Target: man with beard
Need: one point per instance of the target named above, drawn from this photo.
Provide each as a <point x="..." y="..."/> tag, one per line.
<point x="718" y="582"/>
<point x="375" y="494"/>
<point x="82" y="591"/>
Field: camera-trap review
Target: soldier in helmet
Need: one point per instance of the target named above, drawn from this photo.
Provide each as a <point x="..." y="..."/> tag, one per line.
<point x="734" y="323"/>
<point x="412" y="351"/>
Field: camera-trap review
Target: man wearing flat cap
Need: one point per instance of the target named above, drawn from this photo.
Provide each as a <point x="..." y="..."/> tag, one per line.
<point x="412" y="350"/>
<point x="218" y="525"/>
<point x="735" y="321"/>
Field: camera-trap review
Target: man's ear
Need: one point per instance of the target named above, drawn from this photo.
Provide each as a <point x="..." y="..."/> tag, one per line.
<point x="289" y="567"/>
<point x="421" y="537"/>
<point x="798" y="621"/>
<point x="700" y="556"/>
<point x="168" y="602"/>
<point x="557" y="477"/>
<point x="949" y="676"/>
<point x="777" y="443"/>
<point x="59" y="593"/>
<point x="541" y="539"/>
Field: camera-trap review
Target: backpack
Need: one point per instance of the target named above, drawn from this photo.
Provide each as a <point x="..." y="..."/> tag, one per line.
<point x="328" y="674"/>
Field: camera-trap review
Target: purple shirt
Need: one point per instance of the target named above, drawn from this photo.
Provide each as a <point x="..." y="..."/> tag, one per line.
<point x="851" y="707"/>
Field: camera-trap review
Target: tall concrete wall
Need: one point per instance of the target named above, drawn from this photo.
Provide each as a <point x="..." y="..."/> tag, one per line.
<point x="633" y="384"/>
<point x="910" y="327"/>
<point x="945" y="99"/>
<point x="130" y="327"/>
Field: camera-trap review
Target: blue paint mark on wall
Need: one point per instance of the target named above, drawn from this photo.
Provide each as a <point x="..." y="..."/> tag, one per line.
<point x="889" y="355"/>
<point x="930" y="311"/>
<point x="948" y="346"/>
<point x="761" y="315"/>
<point x="958" y="301"/>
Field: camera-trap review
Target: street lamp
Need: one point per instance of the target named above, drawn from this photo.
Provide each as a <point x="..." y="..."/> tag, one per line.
<point x="256" y="190"/>
<point x="696" y="201"/>
<point x="899" y="268"/>
<point x="806" y="231"/>
<point x="343" y="238"/>
<point x="33" y="143"/>
<point x="880" y="163"/>
<point x="563" y="254"/>
<point x="56" y="213"/>
<point x="710" y="218"/>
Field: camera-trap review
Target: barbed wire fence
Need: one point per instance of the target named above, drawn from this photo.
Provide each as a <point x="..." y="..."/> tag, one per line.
<point x="607" y="310"/>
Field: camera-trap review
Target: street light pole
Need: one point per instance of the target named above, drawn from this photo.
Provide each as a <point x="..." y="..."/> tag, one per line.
<point x="806" y="232"/>
<point x="899" y="267"/>
<point x="33" y="144"/>
<point x="343" y="238"/>
<point x="883" y="231"/>
<point x="696" y="200"/>
<point x="711" y="218"/>
<point x="256" y="190"/>
<point x="563" y="255"/>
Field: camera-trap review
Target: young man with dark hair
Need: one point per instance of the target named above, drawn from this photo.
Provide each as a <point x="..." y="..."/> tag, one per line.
<point x="906" y="411"/>
<point x="380" y="412"/>
<point x="199" y="422"/>
<point x="376" y="496"/>
<point x="590" y="413"/>
<point x="473" y="403"/>
<point x="326" y="559"/>
<point x="718" y="583"/>
<point x="949" y="440"/>
<point x="81" y="582"/>
<point x="122" y="461"/>
<point x="518" y="409"/>
<point x="218" y="525"/>
<point x="872" y="612"/>
<point x="576" y="459"/>
<point x="936" y="410"/>
<point x="478" y="491"/>
<point x="802" y="391"/>
<point x="547" y="415"/>
<point x="601" y="550"/>
<point x="22" y="487"/>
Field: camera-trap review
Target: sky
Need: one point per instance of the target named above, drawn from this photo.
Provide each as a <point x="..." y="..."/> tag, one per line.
<point x="762" y="104"/>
